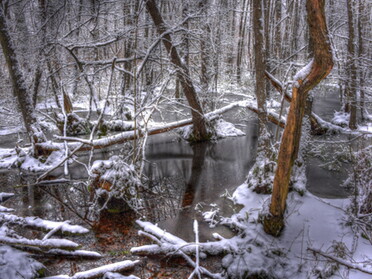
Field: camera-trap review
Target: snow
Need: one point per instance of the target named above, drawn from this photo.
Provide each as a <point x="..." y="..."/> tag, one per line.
<point x="4" y="196"/>
<point x="43" y="224"/>
<point x="5" y="209"/>
<point x="226" y="129"/>
<point x="112" y="275"/>
<point x="341" y="118"/>
<point x="311" y="222"/>
<point x="302" y="74"/>
<point x="11" y="130"/>
<point x="100" y="271"/>
<point x="80" y="253"/>
<point x="17" y="265"/>
<point x="47" y="243"/>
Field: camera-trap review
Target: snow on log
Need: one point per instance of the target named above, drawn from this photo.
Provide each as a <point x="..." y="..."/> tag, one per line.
<point x="38" y="223"/>
<point x="76" y="253"/>
<point x="168" y="243"/>
<point x="48" y="243"/>
<point x="74" y="142"/>
<point x="99" y="271"/>
<point x="5" y="209"/>
<point x="4" y="196"/>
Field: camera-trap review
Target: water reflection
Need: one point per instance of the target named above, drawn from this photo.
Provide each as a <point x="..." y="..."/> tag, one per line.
<point x="204" y="172"/>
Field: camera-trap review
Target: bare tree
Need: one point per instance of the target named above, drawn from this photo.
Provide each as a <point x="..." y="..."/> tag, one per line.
<point x="20" y="89"/>
<point x="306" y="79"/>
<point x="200" y="132"/>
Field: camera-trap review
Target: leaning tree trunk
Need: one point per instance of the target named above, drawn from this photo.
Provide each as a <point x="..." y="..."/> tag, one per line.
<point x="199" y="123"/>
<point x="18" y="82"/>
<point x="306" y="79"/>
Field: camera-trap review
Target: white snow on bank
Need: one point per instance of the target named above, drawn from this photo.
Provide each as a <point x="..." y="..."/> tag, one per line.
<point x="310" y="222"/>
<point x="226" y="129"/>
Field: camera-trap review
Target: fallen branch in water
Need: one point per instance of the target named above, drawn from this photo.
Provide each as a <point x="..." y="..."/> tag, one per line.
<point x="356" y="266"/>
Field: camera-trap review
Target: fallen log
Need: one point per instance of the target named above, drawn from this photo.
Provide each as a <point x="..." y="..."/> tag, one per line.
<point x="85" y="144"/>
<point x="41" y="224"/>
<point x="47" y="243"/>
<point x="99" y="271"/>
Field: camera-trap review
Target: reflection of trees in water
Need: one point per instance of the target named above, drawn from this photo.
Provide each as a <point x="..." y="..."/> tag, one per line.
<point x="198" y="160"/>
<point x="172" y="193"/>
<point x="164" y="199"/>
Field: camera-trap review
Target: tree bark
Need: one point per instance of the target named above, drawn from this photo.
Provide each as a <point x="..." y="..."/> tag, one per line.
<point x="200" y="132"/>
<point x="351" y="70"/>
<point x="260" y="67"/>
<point x="18" y="83"/>
<point x="308" y="78"/>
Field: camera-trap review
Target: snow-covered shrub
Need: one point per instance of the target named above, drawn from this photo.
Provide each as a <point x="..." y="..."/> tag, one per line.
<point x="116" y="184"/>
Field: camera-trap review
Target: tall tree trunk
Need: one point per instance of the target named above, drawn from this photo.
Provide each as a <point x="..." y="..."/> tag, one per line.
<point x="200" y="132"/>
<point x="260" y="67"/>
<point x="351" y="69"/>
<point x="362" y="21"/>
<point x="306" y="79"/>
<point x="239" y="55"/>
<point x="18" y="82"/>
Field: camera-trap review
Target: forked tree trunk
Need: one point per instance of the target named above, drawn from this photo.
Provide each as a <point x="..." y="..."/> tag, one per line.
<point x="18" y="83"/>
<point x="199" y="123"/>
<point x="306" y="79"/>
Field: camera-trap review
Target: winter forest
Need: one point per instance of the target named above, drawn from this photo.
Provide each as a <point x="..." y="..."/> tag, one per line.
<point x="185" y="139"/>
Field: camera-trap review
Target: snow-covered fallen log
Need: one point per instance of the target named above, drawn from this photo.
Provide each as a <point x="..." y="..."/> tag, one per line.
<point x="363" y="267"/>
<point x="99" y="271"/>
<point x="41" y="224"/>
<point x="74" y="142"/>
<point x="73" y="254"/>
<point x="168" y="243"/>
<point x="47" y="243"/>
<point x="5" y="209"/>
<point x="4" y="196"/>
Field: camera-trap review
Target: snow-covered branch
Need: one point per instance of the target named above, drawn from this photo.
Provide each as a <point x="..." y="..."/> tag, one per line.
<point x="363" y="267"/>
